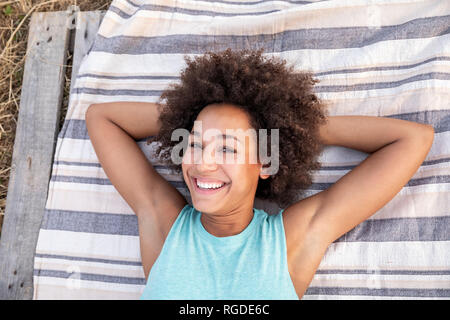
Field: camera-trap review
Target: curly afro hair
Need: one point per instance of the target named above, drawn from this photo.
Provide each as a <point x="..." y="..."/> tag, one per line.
<point x="271" y="94"/>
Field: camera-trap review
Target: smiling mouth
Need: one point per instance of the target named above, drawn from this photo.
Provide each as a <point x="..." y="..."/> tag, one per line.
<point x="207" y="191"/>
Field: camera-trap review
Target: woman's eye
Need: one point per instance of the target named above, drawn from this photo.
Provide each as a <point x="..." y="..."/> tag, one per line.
<point x="224" y="149"/>
<point x="229" y="150"/>
<point x="192" y="145"/>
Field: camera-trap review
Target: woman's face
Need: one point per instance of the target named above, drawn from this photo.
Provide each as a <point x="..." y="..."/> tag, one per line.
<point x="214" y="161"/>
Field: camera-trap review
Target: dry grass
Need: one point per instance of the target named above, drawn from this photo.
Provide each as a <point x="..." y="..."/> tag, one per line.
<point x="14" y="21"/>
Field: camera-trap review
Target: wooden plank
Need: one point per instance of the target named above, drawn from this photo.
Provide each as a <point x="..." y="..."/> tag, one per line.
<point x="87" y="24"/>
<point x="34" y="147"/>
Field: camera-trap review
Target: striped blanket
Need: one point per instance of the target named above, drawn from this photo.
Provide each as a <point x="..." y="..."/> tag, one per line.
<point x="385" y="58"/>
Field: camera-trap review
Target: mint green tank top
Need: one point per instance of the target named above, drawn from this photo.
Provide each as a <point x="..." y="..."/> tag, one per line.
<point x="194" y="264"/>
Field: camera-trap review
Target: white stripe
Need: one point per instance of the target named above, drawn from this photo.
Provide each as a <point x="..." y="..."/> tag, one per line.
<point x="355" y="297"/>
<point x="387" y="255"/>
<point x="377" y="281"/>
<point x="293" y="15"/>
<point x="209" y="6"/>
<point x="350" y="78"/>
<point x="76" y="284"/>
<point x="71" y="149"/>
<point x="81" y="244"/>
<point x="394" y="52"/>
<point x="91" y="267"/>
<point x="336" y="155"/>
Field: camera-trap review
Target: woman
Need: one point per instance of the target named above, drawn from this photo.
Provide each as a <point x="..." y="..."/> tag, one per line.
<point x="221" y="247"/>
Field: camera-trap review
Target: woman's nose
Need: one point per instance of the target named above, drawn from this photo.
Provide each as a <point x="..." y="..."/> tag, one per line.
<point x="208" y="159"/>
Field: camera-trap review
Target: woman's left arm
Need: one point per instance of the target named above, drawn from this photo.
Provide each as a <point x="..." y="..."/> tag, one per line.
<point x="397" y="147"/>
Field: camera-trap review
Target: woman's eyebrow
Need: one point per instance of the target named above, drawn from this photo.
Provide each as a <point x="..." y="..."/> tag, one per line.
<point x="224" y="136"/>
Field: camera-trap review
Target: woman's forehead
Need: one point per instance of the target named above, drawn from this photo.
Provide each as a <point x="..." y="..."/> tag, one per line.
<point x="239" y="135"/>
<point x="223" y="113"/>
<point x="223" y="118"/>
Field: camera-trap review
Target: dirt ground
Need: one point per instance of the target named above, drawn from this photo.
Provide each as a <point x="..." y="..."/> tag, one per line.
<point x="15" y="17"/>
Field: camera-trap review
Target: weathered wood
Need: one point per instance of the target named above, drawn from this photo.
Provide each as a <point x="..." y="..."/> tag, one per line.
<point x="34" y="147"/>
<point x="87" y="24"/>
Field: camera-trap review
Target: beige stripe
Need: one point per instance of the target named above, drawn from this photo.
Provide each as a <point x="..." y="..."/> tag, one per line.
<point x="395" y="52"/>
<point x="120" y="253"/>
<point x="404" y="204"/>
<point x="88" y="200"/>
<point x="320" y="177"/>
<point x="390" y="267"/>
<point x="130" y="74"/>
<point x="384" y="76"/>
<point x="111" y="84"/>
<point x="326" y="15"/>
<point x="96" y="172"/>
<point x="368" y="297"/>
<point x="82" y="244"/>
<point x="383" y="104"/>
<point x="330" y="80"/>
<point x="62" y="157"/>
<point x="74" y="283"/>
<point x="91" y="201"/>
<point x="294" y="57"/>
<point x="403" y="255"/>
<point x="332" y="156"/>
<point x="71" y="266"/>
<point x="365" y="63"/>
<point x="381" y="283"/>
<point x="416" y="205"/>
<point x="423" y="172"/>
<point x="61" y="292"/>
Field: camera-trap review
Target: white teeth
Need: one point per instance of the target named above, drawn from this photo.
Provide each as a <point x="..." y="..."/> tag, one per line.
<point x="209" y="185"/>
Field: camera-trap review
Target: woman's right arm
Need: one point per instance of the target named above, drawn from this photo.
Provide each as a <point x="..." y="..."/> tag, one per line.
<point x="113" y="128"/>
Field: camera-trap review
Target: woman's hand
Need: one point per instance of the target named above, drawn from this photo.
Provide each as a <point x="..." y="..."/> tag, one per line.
<point x="397" y="147"/>
<point x="369" y="133"/>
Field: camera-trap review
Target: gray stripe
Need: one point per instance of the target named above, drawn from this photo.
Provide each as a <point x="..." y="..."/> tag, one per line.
<point x="341" y="71"/>
<point x="399" y="292"/>
<point x="328" y="271"/>
<point x="312" y="38"/>
<point x="411" y="183"/>
<point x="101" y="181"/>
<point x="393" y="292"/>
<point x="384" y="85"/>
<point x="71" y="258"/>
<point x="159" y="8"/>
<point x="395" y="272"/>
<point x="181" y="184"/>
<point x="94" y="164"/>
<point x="384" y="68"/>
<point x="323" y="168"/>
<point x="76" y="128"/>
<point x="92" y="222"/>
<point x="88" y="276"/>
<point x="425" y="163"/>
<point x="400" y="229"/>
<point x="135" y="77"/>
<point x="319" y="88"/>
<point x="378" y="230"/>
<point x="439" y="119"/>
<point x="250" y="3"/>
<point x="125" y="92"/>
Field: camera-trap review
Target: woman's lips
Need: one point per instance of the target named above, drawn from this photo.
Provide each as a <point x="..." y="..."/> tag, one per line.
<point x="206" y="180"/>
<point x="207" y="191"/>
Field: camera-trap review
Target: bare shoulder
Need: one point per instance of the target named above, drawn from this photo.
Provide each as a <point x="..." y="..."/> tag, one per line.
<point x="297" y="219"/>
<point x="305" y="249"/>
<point x="155" y="222"/>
